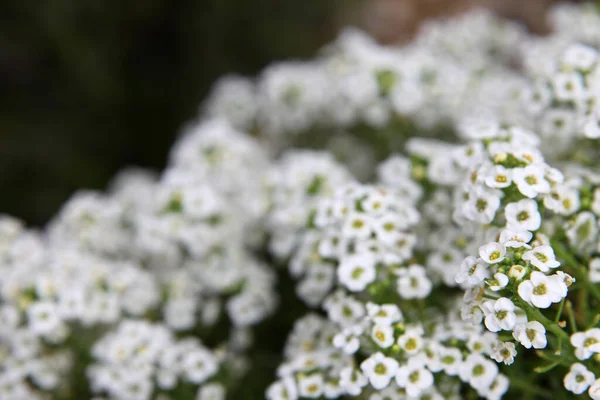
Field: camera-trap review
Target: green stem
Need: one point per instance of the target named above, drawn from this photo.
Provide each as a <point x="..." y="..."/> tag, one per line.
<point x="571" y="315"/>
<point x="560" y="310"/>
<point x="537" y="315"/>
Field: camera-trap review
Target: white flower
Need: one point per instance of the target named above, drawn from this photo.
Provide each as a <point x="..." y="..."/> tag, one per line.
<point x="492" y="253"/>
<point x="497" y="389"/>
<point x="542" y="257"/>
<point x="478" y="371"/>
<point x="348" y="339"/>
<point x="352" y="381"/>
<point x="523" y="215"/>
<point x="357" y="226"/>
<point x="568" y="86"/>
<point x="284" y="389"/>
<point x="414" y="377"/>
<point x="383" y="335"/>
<point x="504" y="352"/>
<point x="594" y="391"/>
<point x="472" y="271"/>
<point x="311" y="386"/>
<point x="578" y="379"/>
<point x="43" y="317"/>
<point x="482" y="205"/>
<point x="579" y="56"/>
<point x="412" y="282"/>
<point x="385" y="314"/>
<point x="586" y="343"/>
<point x="411" y="341"/>
<point x="499" y="314"/>
<point x="530" y="180"/>
<point x="583" y="232"/>
<point x="499" y="282"/>
<point x="211" y="391"/>
<point x="517" y="271"/>
<point x="541" y="290"/>
<point x="531" y="334"/>
<point x="199" y="365"/>
<point x="450" y="359"/>
<point x="596" y="201"/>
<point x="379" y="369"/>
<point x="498" y="177"/>
<point x="515" y="238"/>
<point x="594" y="273"/>
<point x="356" y="271"/>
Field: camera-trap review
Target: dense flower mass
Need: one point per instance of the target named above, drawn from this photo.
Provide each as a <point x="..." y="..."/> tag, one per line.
<point x="435" y="208"/>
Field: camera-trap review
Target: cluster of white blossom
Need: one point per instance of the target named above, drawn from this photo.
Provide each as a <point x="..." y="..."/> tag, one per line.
<point x="409" y="193"/>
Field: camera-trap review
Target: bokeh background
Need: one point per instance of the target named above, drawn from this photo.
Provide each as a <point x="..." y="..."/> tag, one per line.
<point x="89" y="87"/>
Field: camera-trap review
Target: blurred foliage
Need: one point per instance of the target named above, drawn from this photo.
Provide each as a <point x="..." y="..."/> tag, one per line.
<point x="88" y="87"/>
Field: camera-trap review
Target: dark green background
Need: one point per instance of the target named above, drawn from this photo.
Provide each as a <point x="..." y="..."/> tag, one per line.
<point x="89" y="87"/>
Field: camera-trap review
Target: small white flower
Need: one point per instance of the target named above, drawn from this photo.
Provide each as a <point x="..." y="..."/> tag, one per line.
<point x="596" y="202"/>
<point x="357" y="226"/>
<point x="578" y="379"/>
<point x="450" y="359"/>
<point x="411" y="341"/>
<point x="199" y="365"/>
<point x="497" y="389"/>
<point x="356" y="271"/>
<point x="385" y="314"/>
<point x="594" y="391"/>
<point x="531" y="334"/>
<point x="499" y="177"/>
<point x="586" y="343"/>
<point x="383" y="335"/>
<point x="568" y="86"/>
<point x="284" y="389"/>
<point x="413" y="283"/>
<point x="542" y="257"/>
<point x="352" y="381"/>
<point x="43" y="317"/>
<point x="499" y="314"/>
<point x="579" y="56"/>
<point x="414" y="377"/>
<point x="348" y="339"/>
<point x="473" y="271"/>
<point x="530" y="180"/>
<point x="211" y="391"/>
<point x="523" y="215"/>
<point x="311" y="386"/>
<point x="541" y="290"/>
<point x="379" y="369"/>
<point x="482" y="205"/>
<point x="516" y="238"/>
<point x="481" y="343"/>
<point x="499" y="282"/>
<point x="478" y="371"/>
<point x="492" y="253"/>
<point x="594" y="273"/>
<point x="517" y="272"/>
<point x="504" y="352"/>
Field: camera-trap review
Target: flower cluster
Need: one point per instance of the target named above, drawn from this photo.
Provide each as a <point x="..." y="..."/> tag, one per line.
<point x="437" y="206"/>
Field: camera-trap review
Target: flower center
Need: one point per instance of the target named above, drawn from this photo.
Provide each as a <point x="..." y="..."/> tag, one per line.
<point x="523" y="216"/>
<point x="357" y="272"/>
<point x="478" y="370"/>
<point x="380" y="369"/>
<point x="481" y="205"/>
<point x="531" y="179"/>
<point x="540" y="290"/>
